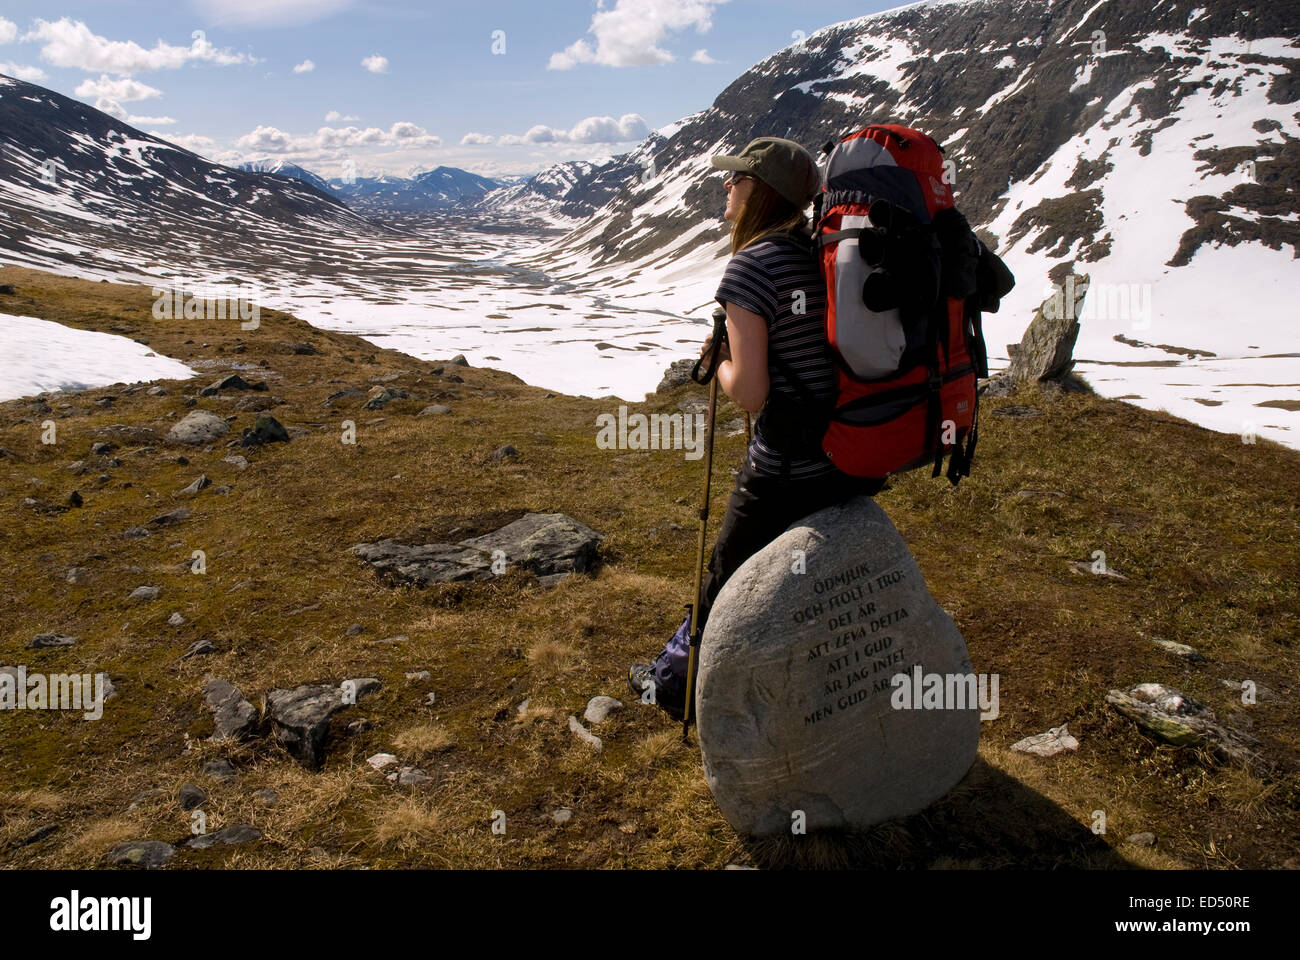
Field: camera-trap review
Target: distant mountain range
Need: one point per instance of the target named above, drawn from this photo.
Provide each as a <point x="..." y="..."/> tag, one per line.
<point x="438" y="189"/>
<point x="567" y="191"/>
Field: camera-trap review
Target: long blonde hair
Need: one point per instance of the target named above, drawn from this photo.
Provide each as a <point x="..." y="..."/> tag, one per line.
<point x="765" y="212"/>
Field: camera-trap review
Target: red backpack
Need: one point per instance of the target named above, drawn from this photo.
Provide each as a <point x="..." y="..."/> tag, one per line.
<point x="906" y="279"/>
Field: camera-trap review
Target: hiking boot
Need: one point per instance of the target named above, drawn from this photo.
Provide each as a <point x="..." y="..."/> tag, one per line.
<point x="640" y="677"/>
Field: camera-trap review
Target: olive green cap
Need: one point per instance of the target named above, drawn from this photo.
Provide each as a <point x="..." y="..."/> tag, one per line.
<point x="783" y="165"/>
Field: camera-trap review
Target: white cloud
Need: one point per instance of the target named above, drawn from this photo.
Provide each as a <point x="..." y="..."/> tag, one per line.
<point x="8" y="30"/>
<point x="335" y="117"/>
<point x="122" y="89"/>
<point x="66" y="43"/>
<point x="630" y="126"/>
<point x="22" y="72"/>
<point x="114" y="109"/>
<point x="192" y="142"/>
<point x="471" y="139"/>
<point x="305" y="67"/>
<point x="627" y="128"/>
<point x="267" y="140"/>
<point x="702" y="56"/>
<point x="268" y="13"/>
<point x="401" y="135"/>
<point x="375" y="63"/>
<point x="629" y="35"/>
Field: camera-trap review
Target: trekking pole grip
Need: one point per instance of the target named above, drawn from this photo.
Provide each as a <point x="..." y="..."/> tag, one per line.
<point x="703" y="376"/>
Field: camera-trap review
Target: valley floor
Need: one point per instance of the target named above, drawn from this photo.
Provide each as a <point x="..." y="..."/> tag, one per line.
<point x="1202" y="526"/>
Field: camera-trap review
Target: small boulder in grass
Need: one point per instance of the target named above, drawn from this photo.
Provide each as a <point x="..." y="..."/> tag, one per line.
<point x="148" y="854"/>
<point x="599" y="709"/>
<point x="46" y="641"/>
<point x="199" y="483"/>
<point x="266" y="429"/>
<point x="197" y="428"/>
<point x="1049" y="744"/>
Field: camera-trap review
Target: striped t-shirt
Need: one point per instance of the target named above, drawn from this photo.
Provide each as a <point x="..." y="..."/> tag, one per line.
<point x="774" y="279"/>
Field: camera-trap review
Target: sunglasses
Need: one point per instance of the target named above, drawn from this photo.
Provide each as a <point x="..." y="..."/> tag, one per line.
<point x="735" y="178"/>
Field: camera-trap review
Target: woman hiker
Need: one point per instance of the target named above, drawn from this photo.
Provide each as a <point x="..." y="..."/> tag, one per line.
<point x="775" y="300"/>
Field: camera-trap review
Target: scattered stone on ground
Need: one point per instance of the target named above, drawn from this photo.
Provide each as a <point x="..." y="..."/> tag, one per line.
<point x="357" y="687"/>
<point x="174" y="517"/>
<point x="543" y="543"/>
<point x="191" y="796"/>
<point x="1179" y="650"/>
<point x="226" y="836"/>
<point x="1049" y="744"/>
<point x="201" y="482"/>
<point x="232" y="382"/>
<point x="300" y="717"/>
<point x="599" y="709"/>
<point x="45" y="641"/>
<point x="149" y="854"/>
<point x="197" y="428"/>
<point x="381" y="760"/>
<point x="233" y="716"/>
<point x="266" y="429"/>
<point x="1174" y="718"/>
<point x="585" y="735"/>
<point x="198" y="648"/>
<point x="220" y="770"/>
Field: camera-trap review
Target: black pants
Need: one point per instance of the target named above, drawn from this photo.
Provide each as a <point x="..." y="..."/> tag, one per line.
<point x="760" y="509"/>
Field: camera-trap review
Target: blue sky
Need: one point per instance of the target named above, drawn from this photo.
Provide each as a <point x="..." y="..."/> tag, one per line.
<point x="400" y="87"/>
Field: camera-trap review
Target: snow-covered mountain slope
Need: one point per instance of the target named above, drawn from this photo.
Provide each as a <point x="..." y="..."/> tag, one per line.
<point x="1152" y="144"/>
<point x="575" y="189"/>
<point x="282" y="168"/>
<point x="437" y="189"/>
<point x="81" y="189"/>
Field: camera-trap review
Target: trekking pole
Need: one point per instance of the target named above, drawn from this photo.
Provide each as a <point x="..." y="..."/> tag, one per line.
<point x="692" y="660"/>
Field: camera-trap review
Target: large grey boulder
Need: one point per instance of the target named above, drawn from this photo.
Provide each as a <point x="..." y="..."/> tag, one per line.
<point x="797" y="722"/>
<point x="543" y="543"/>
<point x="197" y="428"/>
<point x="233" y="716"/>
<point x="301" y="719"/>
<point x="1046" y="351"/>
